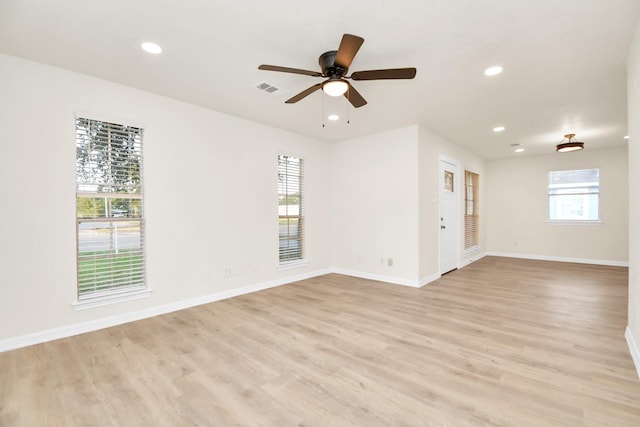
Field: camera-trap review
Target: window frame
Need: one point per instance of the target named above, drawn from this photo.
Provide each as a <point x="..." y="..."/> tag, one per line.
<point x="471" y="211"/>
<point x="568" y="186"/>
<point x="118" y="274"/>
<point x="291" y="186"/>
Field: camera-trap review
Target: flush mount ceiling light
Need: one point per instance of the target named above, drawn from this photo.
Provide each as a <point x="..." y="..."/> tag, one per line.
<point x="498" y="129"/>
<point x="493" y="71"/>
<point x="569" y="146"/>
<point x="151" y="48"/>
<point x="335" y="87"/>
<point x="626" y="137"/>
<point x="333" y="117"/>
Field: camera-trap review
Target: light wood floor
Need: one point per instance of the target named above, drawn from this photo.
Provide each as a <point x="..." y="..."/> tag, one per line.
<point x="502" y="342"/>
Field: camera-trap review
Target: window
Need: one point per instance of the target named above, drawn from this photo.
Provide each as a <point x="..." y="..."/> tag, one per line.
<point x="471" y="218"/>
<point x="290" y="209"/>
<point x="109" y="211"/>
<point x="574" y="195"/>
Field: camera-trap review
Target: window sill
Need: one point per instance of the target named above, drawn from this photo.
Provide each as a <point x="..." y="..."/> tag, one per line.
<point x="111" y="298"/>
<point x="290" y="265"/>
<point x="575" y="222"/>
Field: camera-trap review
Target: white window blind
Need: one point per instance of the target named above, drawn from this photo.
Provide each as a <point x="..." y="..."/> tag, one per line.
<point x="574" y="195"/>
<point x="471" y="217"/>
<point x="109" y="209"/>
<point x="290" y="209"/>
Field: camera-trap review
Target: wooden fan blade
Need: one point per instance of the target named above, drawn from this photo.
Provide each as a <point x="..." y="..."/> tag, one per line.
<point x="388" y="74"/>
<point x="303" y="94"/>
<point x="349" y="46"/>
<point x="354" y="97"/>
<point x="290" y="70"/>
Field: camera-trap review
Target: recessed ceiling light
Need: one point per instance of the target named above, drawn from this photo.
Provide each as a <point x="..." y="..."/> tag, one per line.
<point x="519" y="150"/>
<point x="493" y="71"/>
<point x="151" y="48"/>
<point x="333" y="117"/>
<point x="498" y="128"/>
<point x="626" y="137"/>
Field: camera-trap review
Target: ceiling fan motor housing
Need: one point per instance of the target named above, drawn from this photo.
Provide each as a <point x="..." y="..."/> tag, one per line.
<point x="328" y="66"/>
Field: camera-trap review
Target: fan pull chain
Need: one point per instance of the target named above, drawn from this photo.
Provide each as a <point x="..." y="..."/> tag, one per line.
<point x="323" y="110"/>
<point x="349" y="105"/>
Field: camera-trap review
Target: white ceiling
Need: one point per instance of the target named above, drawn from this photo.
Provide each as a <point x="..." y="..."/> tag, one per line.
<point x="564" y="61"/>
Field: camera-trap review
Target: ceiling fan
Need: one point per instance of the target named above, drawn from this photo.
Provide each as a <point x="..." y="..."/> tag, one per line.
<point x="335" y="65"/>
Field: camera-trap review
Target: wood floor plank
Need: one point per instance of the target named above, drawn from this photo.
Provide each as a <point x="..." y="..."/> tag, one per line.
<point x="502" y="342"/>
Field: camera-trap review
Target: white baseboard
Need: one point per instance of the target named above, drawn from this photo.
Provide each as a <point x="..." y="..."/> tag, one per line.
<point x="472" y="258"/>
<point x="426" y="280"/>
<point x="80" y="328"/>
<point x="107" y="322"/>
<point x="560" y="259"/>
<point x="633" y="349"/>
<point x="388" y="279"/>
<point x="379" y="277"/>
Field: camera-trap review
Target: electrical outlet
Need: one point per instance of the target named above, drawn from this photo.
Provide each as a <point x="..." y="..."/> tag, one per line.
<point x="228" y="272"/>
<point x="389" y="262"/>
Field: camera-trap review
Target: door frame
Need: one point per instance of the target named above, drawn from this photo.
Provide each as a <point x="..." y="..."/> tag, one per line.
<point x="455" y="165"/>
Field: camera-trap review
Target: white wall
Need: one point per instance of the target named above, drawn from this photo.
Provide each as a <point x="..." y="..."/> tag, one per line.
<point x="633" y="99"/>
<point x="211" y="197"/>
<point x="375" y="196"/>
<point x="385" y="195"/>
<point x="518" y="208"/>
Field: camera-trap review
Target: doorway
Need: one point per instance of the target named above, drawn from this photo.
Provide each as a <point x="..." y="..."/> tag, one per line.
<point x="449" y="223"/>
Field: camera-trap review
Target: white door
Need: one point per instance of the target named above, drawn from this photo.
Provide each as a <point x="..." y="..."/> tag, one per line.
<point x="449" y="223"/>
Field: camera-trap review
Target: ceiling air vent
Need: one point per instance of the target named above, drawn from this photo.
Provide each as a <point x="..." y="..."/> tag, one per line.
<point x="267" y="87"/>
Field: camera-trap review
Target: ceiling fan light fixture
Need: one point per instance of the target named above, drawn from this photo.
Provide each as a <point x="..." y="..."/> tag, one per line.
<point x="567" y="147"/>
<point x="335" y="87"/>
